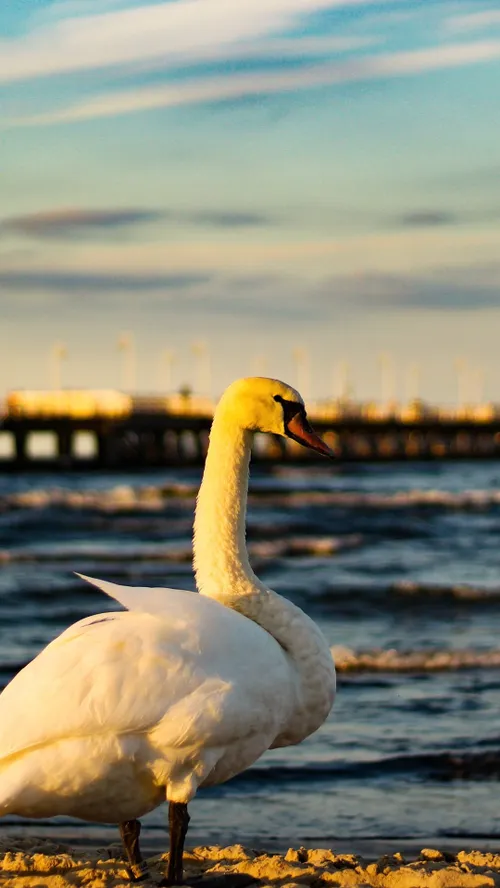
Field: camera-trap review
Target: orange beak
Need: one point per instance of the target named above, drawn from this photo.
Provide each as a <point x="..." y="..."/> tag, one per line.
<point x="299" y="430"/>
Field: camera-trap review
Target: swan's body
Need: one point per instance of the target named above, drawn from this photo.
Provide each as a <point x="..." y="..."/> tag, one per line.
<point x="134" y="708"/>
<point x="125" y="710"/>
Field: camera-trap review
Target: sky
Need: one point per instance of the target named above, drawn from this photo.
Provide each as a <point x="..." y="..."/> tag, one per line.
<point x="307" y="189"/>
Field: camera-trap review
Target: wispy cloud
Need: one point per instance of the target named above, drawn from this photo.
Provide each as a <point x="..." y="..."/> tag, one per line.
<point x="216" y="89"/>
<point x="473" y="21"/>
<point x="271" y="48"/>
<point x="69" y="223"/>
<point x="393" y="250"/>
<point x="206" y="294"/>
<point x="70" y="282"/>
<point x="224" y="218"/>
<point x="427" y="219"/>
<point x="474" y="288"/>
<point x="176" y="32"/>
<point x="63" y="9"/>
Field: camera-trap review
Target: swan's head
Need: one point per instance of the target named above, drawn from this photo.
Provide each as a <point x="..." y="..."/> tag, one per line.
<point x="268" y="405"/>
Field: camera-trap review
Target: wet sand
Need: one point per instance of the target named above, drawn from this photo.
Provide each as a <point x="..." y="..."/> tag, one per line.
<point x="33" y="863"/>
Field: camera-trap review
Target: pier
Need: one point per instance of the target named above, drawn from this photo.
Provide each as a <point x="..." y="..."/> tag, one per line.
<point x="154" y="438"/>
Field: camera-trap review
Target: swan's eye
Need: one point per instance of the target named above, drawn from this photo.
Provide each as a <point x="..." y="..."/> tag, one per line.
<point x="290" y="409"/>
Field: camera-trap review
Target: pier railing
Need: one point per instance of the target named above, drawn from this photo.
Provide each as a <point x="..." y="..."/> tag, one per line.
<point x="149" y="438"/>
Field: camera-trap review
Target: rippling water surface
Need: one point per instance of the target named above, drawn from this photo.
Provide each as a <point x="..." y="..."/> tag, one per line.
<point x="400" y="565"/>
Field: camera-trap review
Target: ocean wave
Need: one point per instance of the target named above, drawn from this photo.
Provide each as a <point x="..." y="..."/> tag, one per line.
<point x="122" y="497"/>
<point x="127" y="497"/>
<point x="179" y="551"/>
<point x="439" y="766"/>
<point x="403" y="594"/>
<point x="349" y="661"/>
<point x="96" y="553"/>
<point x="304" y="545"/>
<point x="458" y="592"/>
<point x="445" y="499"/>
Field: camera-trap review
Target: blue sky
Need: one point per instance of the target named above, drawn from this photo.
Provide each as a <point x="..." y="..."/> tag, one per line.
<point x="260" y="175"/>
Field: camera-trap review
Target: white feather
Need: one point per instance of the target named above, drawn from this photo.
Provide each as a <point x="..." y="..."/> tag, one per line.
<point x="137" y="598"/>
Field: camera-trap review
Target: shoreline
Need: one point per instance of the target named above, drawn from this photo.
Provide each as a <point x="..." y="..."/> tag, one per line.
<point x="154" y="842"/>
<point x="30" y="862"/>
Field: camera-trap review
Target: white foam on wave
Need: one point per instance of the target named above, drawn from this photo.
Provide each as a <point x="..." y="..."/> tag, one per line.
<point x="459" y="591"/>
<point x="347" y="660"/>
<point x="151" y="497"/>
<point x="302" y="545"/>
<point x="122" y="497"/>
<point x="403" y="499"/>
<point x="72" y="553"/>
<point x="179" y="550"/>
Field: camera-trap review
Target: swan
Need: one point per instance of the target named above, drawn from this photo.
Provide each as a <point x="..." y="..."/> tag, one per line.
<point x="126" y="710"/>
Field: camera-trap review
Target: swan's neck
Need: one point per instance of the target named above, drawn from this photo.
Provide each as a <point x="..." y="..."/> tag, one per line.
<point x="220" y="554"/>
<point x="223" y="572"/>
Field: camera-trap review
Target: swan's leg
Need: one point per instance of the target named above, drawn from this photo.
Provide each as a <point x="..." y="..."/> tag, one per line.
<point x="178" y="819"/>
<point x="130" y="831"/>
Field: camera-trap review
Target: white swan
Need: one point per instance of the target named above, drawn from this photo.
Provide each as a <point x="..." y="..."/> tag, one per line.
<point x="126" y="710"/>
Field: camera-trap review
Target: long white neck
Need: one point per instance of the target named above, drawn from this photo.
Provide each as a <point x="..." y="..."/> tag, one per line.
<point x="220" y="554"/>
<point x="223" y="572"/>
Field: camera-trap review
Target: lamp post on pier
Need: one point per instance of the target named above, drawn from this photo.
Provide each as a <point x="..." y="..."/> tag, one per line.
<point x="58" y="354"/>
<point x="413" y="382"/>
<point x="341" y="381"/>
<point x="126" y="345"/>
<point x="203" y="381"/>
<point x="167" y="361"/>
<point x="388" y="389"/>
<point x="302" y="371"/>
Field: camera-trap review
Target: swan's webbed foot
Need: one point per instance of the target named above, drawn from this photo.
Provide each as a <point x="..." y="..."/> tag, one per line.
<point x="130" y="831"/>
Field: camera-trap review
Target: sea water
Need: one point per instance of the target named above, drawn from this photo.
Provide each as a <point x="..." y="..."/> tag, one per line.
<point x="400" y="566"/>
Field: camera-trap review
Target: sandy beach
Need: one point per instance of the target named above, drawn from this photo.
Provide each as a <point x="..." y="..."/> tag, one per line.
<point x="32" y="863"/>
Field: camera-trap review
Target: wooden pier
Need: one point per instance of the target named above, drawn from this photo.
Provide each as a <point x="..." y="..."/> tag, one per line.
<point x="153" y="439"/>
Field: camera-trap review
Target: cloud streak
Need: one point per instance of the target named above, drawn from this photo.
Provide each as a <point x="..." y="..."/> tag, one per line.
<point x="474" y="21"/>
<point x="268" y="48"/>
<point x="179" y="32"/>
<point x="471" y="289"/>
<point x="427" y="219"/>
<point x="239" y="86"/>
<point x="466" y="289"/>
<point x="69" y="282"/>
<point x="223" y="218"/>
<point x="69" y="223"/>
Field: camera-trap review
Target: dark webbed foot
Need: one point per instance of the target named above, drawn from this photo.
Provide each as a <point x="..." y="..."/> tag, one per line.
<point x="130" y="831"/>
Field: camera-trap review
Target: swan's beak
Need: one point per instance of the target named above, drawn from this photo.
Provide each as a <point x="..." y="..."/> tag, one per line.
<point x="299" y="429"/>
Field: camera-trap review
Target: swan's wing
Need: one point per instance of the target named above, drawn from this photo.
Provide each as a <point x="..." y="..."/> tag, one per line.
<point x="108" y="673"/>
<point x="135" y="598"/>
<point x="187" y="678"/>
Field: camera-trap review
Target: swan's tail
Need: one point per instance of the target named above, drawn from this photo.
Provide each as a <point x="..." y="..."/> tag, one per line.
<point x="136" y="598"/>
